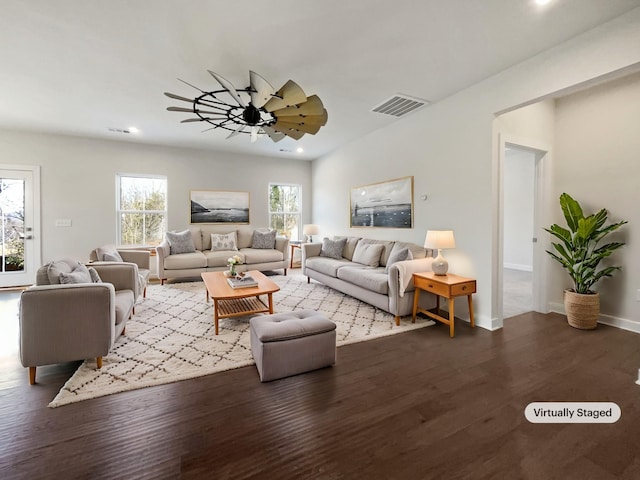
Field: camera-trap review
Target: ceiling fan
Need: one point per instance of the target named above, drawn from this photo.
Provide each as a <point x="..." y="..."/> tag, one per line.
<point x="256" y="110"/>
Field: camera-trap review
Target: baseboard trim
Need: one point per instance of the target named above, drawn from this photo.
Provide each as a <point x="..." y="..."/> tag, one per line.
<point x="621" y="323"/>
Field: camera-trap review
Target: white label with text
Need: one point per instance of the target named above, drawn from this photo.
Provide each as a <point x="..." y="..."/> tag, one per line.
<point x="572" y="412"/>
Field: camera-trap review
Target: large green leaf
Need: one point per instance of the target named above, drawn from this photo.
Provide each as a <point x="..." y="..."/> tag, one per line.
<point x="571" y="210"/>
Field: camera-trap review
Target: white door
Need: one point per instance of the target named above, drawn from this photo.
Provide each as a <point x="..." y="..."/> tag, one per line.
<point x="19" y="224"/>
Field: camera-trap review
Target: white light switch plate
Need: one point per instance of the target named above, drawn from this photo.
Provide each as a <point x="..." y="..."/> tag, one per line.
<point x="63" y="222"/>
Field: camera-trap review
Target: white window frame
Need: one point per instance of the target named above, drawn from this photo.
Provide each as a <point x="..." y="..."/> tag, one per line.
<point x="298" y="213"/>
<point x="119" y="211"/>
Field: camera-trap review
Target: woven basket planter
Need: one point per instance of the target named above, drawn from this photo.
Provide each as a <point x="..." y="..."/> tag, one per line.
<point x="582" y="309"/>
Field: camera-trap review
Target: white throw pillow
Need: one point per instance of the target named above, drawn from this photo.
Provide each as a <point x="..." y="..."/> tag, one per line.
<point x="226" y="241"/>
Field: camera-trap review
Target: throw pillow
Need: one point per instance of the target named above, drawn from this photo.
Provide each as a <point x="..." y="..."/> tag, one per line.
<point x="264" y="240"/>
<point x="332" y="248"/>
<point x="56" y="267"/>
<point x="368" y="253"/>
<point x="80" y="274"/>
<point x="108" y="253"/>
<point x="95" y="277"/>
<point x="224" y="242"/>
<point x="180" y="242"/>
<point x="398" y="256"/>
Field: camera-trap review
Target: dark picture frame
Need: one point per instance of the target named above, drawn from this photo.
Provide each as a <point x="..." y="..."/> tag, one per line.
<point x="387" y="204"/>
<point x="214" y="207"/>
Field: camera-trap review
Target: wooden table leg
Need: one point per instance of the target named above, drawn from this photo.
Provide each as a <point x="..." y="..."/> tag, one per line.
<point x="451" y="316"/>
<point x="416" y="296"/>
<point x="437" y="304"/>
<point x="207" y="293"/>
<point x="270" y="303"/>
<point x="470" y="311"/>
<point x="215" y="315"/>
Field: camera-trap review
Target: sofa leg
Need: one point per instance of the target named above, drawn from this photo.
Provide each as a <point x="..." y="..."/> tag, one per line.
<point x="124" y="330"/>
<point x="32" y="375"/>
<point x="162" y="280"/>
<point x="144" y="292"/>
<point x="308" y="279"/>
<point x="99" y="362"/>
<point x="133" y="312"/>
<point x="285" y="272"/>
<point x="397" y="321"/>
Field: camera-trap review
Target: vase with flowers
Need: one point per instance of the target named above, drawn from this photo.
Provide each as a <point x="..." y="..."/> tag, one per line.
<point x="233" y="262"/>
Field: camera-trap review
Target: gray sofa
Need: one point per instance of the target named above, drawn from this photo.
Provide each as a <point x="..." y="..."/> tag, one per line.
<point x="369" y="278"/>
<point x="204" y="259"/>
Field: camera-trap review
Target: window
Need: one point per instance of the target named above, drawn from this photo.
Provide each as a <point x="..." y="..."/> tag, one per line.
<point x="284" y="210"/>
<point x="141" y="209"/>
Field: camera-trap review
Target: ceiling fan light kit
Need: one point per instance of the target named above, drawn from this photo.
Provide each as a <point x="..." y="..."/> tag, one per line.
<point x="256" y="110"/>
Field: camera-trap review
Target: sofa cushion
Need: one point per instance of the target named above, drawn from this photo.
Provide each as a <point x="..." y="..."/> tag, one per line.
<point x="349" y="247"/>
<point x="225" y="242"/>
<point x="245" y="237"/>
<point x="368" y="254"/>
<point x="326" y="265"/>
<point x="220" y="258"/>
<point x="398" y="255"/>
<point x="182" y="261"/>
<point x="80" y="274"/>
<point x="386" y="251"/>
<point x="180" y="242"/>
<point x="373" y="279"/>
<point x="55" y="268"/>
<point x="333" y="248"/>
<point x="124" y="305"/>
<point x="264" y="240"/>
<point x="108" y="253"/>
<point x="417" y="251"/>
<point x="254" y="256"/>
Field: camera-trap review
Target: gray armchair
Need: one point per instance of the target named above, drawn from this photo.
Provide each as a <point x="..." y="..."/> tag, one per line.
<point x="142" y="258"/>
<point x="66" y="322"/>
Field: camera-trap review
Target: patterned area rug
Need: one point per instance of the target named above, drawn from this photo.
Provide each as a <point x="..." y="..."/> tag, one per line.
<point x="171" y="337"/>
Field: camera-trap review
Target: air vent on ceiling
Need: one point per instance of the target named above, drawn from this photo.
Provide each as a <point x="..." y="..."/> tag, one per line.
<point x="399" y="105"/>
<point x="118" y="130"/>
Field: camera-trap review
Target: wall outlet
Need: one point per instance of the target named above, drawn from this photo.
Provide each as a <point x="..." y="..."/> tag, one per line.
<point x="63" y="222"/>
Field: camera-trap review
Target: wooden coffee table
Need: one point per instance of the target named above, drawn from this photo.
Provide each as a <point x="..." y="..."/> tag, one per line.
<point x="235" y="302"/>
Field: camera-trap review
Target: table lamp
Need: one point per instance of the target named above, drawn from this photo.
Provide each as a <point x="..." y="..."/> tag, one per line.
<point x="309" y="230"/>
<point x="440" y="239"/>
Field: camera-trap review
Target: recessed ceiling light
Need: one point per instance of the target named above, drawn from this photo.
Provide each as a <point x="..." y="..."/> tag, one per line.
<point x="542" y="2"/>
<point x="299" y="149"/>
<point x="133" y="130"/>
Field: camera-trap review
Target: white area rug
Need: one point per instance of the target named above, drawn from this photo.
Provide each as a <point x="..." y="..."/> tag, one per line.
<point x="171" y="337"/>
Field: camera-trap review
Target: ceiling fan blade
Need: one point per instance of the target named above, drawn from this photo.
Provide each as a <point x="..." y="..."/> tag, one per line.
<point x="312" y="129"/>
<point x="273" y="135"/>
<point x="236" y="131"/>
<point x="289" y="94"/>
<point x="192" y="86"/>
<point x="309" y="119"/>
<point x="295" y="134"/>
<point x="228" y="86"/>
<point x="254" y="134"/>
<point x="313" y="106"/>
<point x="190" y="110"/>
<point x="262" y="90"/>
<point x="178" y="97"/>
<point x="187" y="120"/>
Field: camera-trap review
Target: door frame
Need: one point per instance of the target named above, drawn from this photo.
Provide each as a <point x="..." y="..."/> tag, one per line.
<point x="541" y="206"/>
<point x="34" y="262"/>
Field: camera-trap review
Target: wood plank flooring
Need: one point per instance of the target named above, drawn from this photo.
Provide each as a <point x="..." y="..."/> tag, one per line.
<point x="418" y="405"/>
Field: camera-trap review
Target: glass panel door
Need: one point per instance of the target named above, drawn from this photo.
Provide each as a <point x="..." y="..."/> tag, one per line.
<point x="17" y="250"/>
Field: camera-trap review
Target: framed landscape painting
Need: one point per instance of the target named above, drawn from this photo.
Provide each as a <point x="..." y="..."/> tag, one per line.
<point x="219" y="207"/>
<point x="386" y="204"/>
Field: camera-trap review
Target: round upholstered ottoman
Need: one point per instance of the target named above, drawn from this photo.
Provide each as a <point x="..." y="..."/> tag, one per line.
<point x="285" y="344"/>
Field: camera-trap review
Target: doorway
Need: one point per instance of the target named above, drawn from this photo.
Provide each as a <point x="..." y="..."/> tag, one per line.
<point x="19" y="224"/>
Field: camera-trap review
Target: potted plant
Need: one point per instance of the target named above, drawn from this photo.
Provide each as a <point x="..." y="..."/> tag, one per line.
<point x="580" y="251"/>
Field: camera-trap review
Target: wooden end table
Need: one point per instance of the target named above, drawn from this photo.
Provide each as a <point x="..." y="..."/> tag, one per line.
<point x="235" y="302"/>
<point x="448" y="286"/>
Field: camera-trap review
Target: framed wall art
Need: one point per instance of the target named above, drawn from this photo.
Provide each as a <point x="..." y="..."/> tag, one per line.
<point x="219" y="207"/>
<point x="386" y="204"/>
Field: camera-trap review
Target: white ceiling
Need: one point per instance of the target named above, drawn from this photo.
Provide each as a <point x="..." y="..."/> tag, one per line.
<point x="81" y="67"/>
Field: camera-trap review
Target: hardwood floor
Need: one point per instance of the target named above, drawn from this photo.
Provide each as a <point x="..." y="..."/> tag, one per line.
<point x="417" y="405"/>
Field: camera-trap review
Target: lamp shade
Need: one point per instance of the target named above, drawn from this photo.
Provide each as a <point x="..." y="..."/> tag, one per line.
<point x="310" y="229"/>
<point x="439" y="239"/>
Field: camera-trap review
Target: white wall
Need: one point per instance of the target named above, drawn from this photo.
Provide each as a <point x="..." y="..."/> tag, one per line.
<point x="597" y="162"/>
<point x="78" y="183"/>
<point x="519" y="178"/>
<point x="451" y="149"/>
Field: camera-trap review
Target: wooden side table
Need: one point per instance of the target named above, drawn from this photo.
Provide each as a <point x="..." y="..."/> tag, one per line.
<point x="293" y="246"/>
<point x="448" y="286"/>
